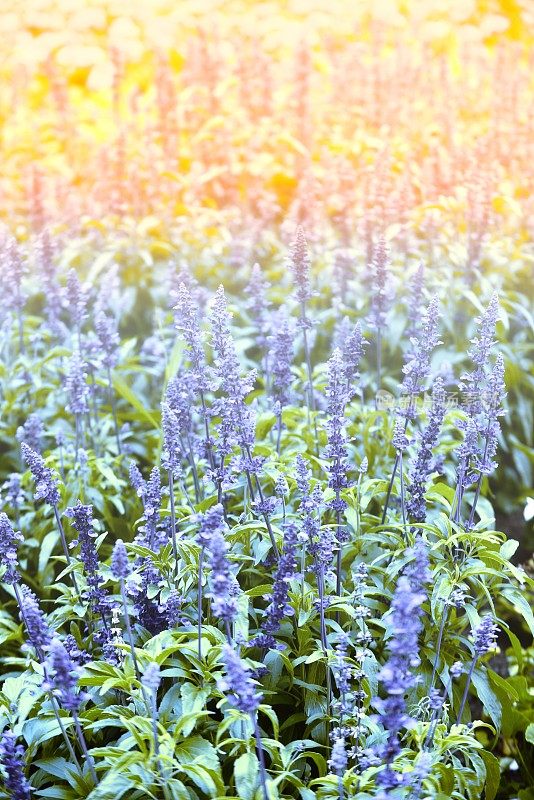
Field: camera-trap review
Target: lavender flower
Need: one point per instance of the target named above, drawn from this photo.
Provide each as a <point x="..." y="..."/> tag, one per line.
<point x="107" y="339"/>
<point x="279" y="606"/>
<point x="151" y="677"/>
<point x="281" y="350"/>
<point x="172" y="449"/>
<point x="62" y="677"/>
<point x="82" y="522"/>
<point x="32" y="432"/>
<point x="77" y="655"/>
<point x="152" y="499"/>
<point x="211" y="522"/>
<point x="485" y="636"/>
<point x="310" y="500"/>
<point x="46" y="486"/>
<point x="120" y="567"/>
<point x="352" y="348"/>
<point x="237" y="418"/>
<point x="173" y="609"/>
<point x="399" y="439"/>
<point x="484" y="340"/>
<point x="77" y="301"/>
<point x="226" y="362"/>
<point x="338" y="760"/>
<point x="422" y="466"/>
<point x="417" y="571"/>
<point x="77" y="388"/>
<point x="456" y="669"/>
<point x="467" y="451"/>
<point x="11" y="268"/>
<point x="416" y="287"/>
<point x="342" y="672"/>
<point x="39" y="632"/>
<point x="490" y="429"/>
<point x="9" y="540"/>
<point x="150" y="493"/>
<point x="14" y="493"/>
<point x="240" y="691"/>
<point x="396" y="674"/>
<point x="380" y="297"/>
<point x="484" y="639"/>
<point x="336" y="450"/>
<point x="222" y="584"/>
<point x="300" y="264"/>
<point x="417" y="366"/>
<point x="258" y="304"/>
<point x="136" y="479"/>
<point x="12" y="761"/>
<point x="179" y="396"/>
<point x="52" y="292"/>
<point x="187" y="322"/>
<point x="238" y="686"/>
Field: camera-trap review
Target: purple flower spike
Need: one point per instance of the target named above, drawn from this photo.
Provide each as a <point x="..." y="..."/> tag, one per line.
<point x="238" y="686"/>
<point x="12" y="761"/>
<point x="120" y="566"/>
<point x="46" y="486"/>
<point x="9" y="540"/>
<point x="62" y="677"/>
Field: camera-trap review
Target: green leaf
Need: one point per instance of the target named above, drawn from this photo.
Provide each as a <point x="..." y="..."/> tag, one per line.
<point x="124" y="390"/>
<point x="487" y="697"/>
<point x="197" y="749"/>
<point x="517" y="599"/>
<point x="246" y="769"/>
<point x="193" y="703"/>
<point x="529" y="733"/>
<point x="113" y="786"/>
<point x="493" y="774"/>
<point x="508" y="548"/>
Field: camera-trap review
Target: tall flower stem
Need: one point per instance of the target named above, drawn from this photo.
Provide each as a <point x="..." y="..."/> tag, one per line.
<point x="403" y="500"/>
<point x="307" y="356"/>
<point x="438" y="644"/>
<point x="320" y="590"/>
<point x="207" y="431"/>
<point x="55" y="705"/>
<point x="278" y="431"/>
<point x="466" y="690"/>
<point x="261" y="756"/>
<point x="479" y="479"/>
<point x="129" y="629"/>
<point x="199" y="601"/>
<point x="396" y="464"/>
<point x="173" y="522"/>
<point x="65" y="547"/>
<point x="194" y="472"/>
<point x="339" y="555"/>
<point x="83" y="744"/>
<point x="390" y="488"/>
<point x="55" y="708"/>
<point x="378" y="359"/>
<point x="113" y="405"/>
<point x="21" y="332"/>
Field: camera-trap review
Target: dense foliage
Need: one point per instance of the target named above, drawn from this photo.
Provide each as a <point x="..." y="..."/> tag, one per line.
<point x="256" y="553"/>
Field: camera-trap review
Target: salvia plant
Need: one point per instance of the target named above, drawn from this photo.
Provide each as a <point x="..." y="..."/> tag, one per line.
<point x="237" y="573"/>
